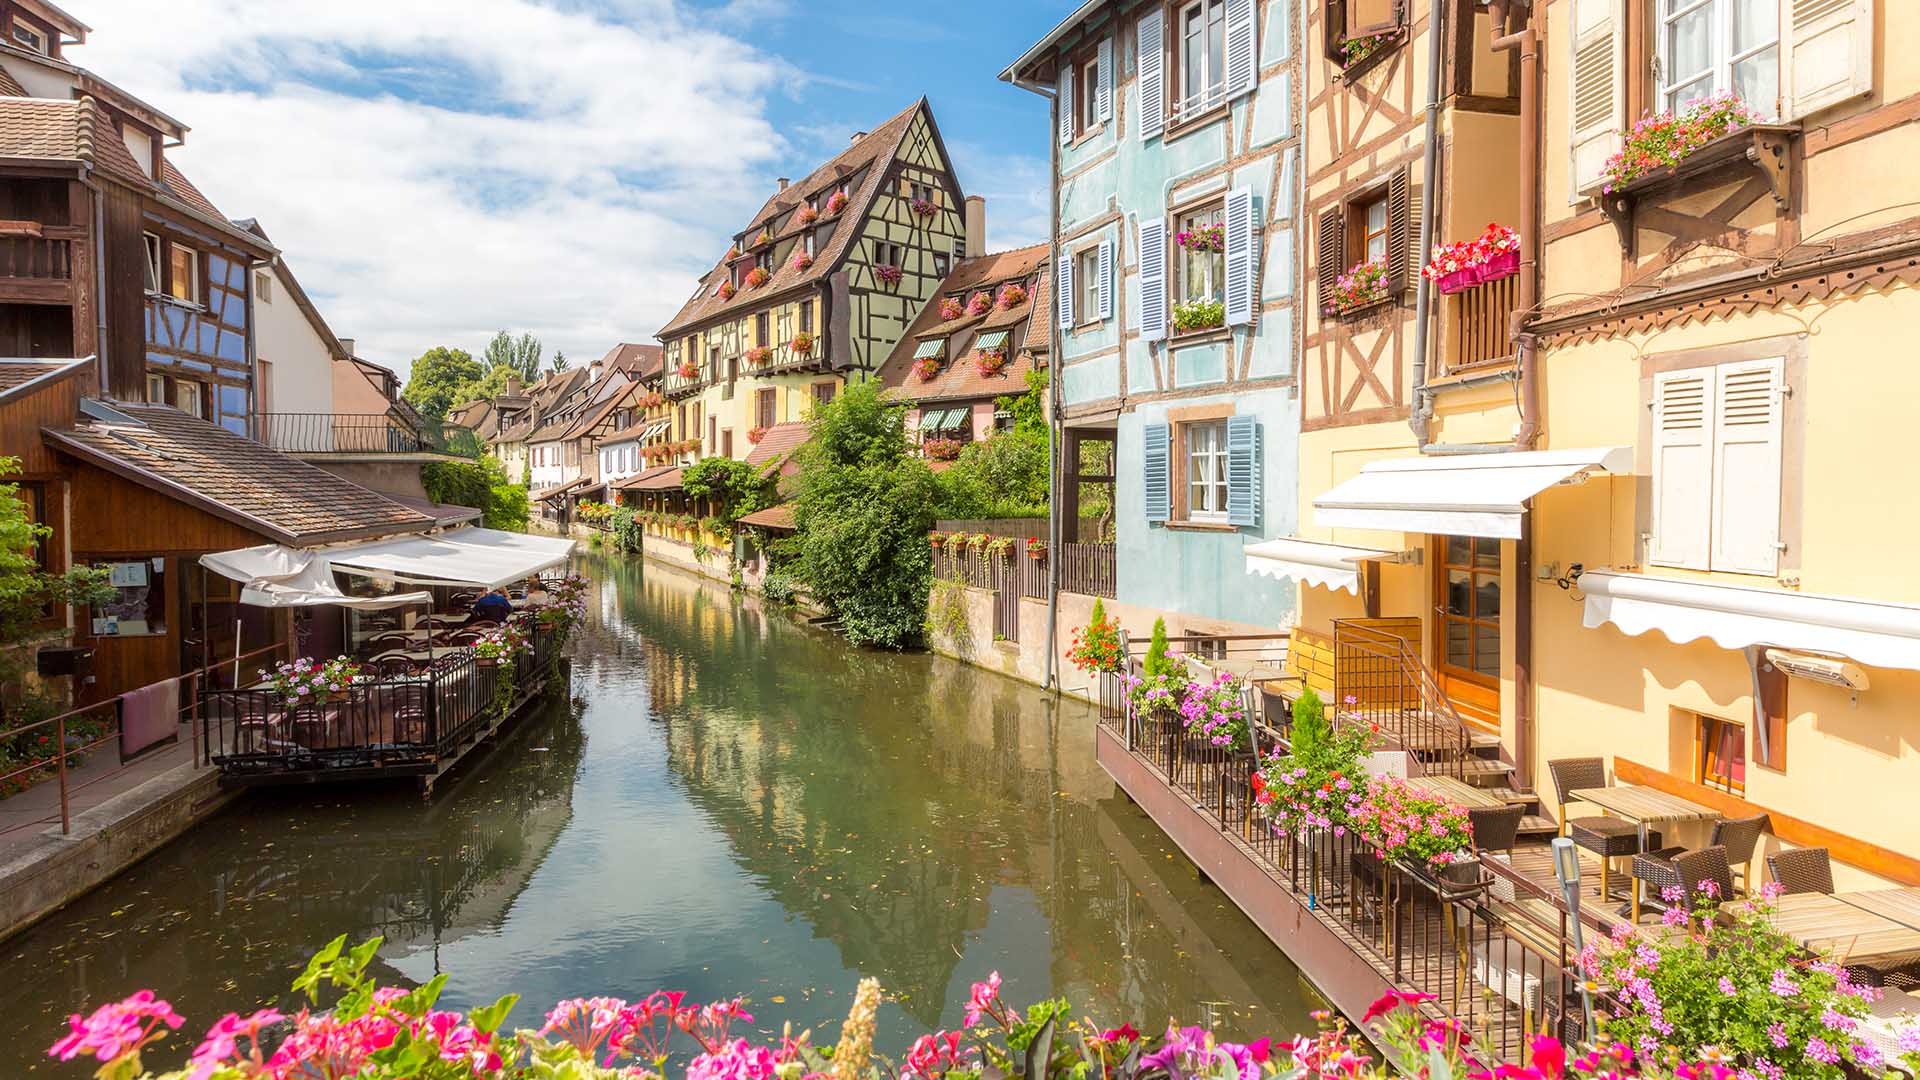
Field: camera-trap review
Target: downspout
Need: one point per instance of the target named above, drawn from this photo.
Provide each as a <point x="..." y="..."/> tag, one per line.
<point x="1429" y="188"/>
<point x="99" y="276"/>
<point x="1056" y="436"/>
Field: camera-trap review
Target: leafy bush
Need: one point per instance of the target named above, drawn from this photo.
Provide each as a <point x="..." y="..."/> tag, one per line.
<point x="1320" y="781"/>
<point x="482" y="485"/>
<point x="1199" y="315"/>
<point x="1096" y="646"/>
<point x="629" y="530"/>
<point x="782" y="589"/>
<point x="1005" y="476"/>
<point x="735" y="487"/>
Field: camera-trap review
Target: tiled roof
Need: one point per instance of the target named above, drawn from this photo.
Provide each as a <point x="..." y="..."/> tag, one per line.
<point x="1040" y="330"/>
<point x="248" y="483"/>
<point x="642" y="361"/>
<point x="572" y="485"/>
<point x="959" y="379"/>
<point x="17" y="374"/>
<point x="444" y="513"/>
<point x="664" y="478"/>
<point x="46" y="128"/>
<point x="773" y="517"/>
<point x="177" y="185"/>
<point x="874" y="149"/>
<point x="779" y="441"/>
<point x="9" y="85"/>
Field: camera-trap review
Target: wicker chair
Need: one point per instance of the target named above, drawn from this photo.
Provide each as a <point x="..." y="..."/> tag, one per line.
<point x="1610" y="838"/>
<point x="1740" y="836"/>
<point x="1709" y="864"/>
<point x="1802" y="870"/>
<point x="1496" y="829"/>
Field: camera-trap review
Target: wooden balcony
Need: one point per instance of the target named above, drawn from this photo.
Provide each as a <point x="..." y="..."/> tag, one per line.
<point x="36" y="262"/>
<point x="1482" y="325"/>
<point x="676" y="386"/>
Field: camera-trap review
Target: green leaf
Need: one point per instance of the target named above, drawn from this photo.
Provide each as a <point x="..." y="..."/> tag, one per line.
<point x="309" y="980"/>
<point x="1437" y="1067"/>
<point x="488" y="1018"/>
<point x="1039" y="1050"/>
<point x="420" y="1001"/>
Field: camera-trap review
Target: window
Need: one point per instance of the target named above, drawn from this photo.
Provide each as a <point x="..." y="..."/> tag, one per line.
<point x="1203" y="272"/>
<point x="1369" y="229"/>
<point x="183" y="273"/>
<point x="1708" y="47"/>
<point x="726" y="443"/>
<point x="1720" y="755"/>
<point x="806" y="316"/>
<point x="29" y="36"/>
<point x="157" y="389"/>
<point x="1206" y="470"/>
<point x="139" y="606"/>
<point x="942" y="264"/>
<point x="263" y="287"/>
<point x="1086" y="96"/>
<point x="1086" y="278"/>
<point x="762" y="328"/>
<point x="763" y="407"/>
<point x="823" y="393"/>
<point x="888" y="254"/>
<point x="1375" y="223"/>
<point x="1206" y="648"/>
<point x="153" y="262"/>
<point x="1470" y="613"/>
<point x="1200" y="53"/>
<point x="1718" y="437"/>
<point x="922" y="191"/>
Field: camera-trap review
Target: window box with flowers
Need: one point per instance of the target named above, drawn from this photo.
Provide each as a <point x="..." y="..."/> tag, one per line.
<point x="1360" y="53"/>
<point x="836" y="203"/>
<point x="802" y="344"/>
<point x="801" y="262"/>
<point x="1196" y="316"/>
<point x="1363" y="286"/>
<point x="757" y="356"/>
<point x="926" y="368"/>
<point x="888" y="274"/>
<point x="922" y="207"/>
<point x="980" y="303"/>
<point x="754" y="435"/>
<point x="1012" y="295"/>
<point x="805" y="216"/>
<point x="309" y="682"/>
<point x="1427" y="835"/>
<point x="727" y="291"/>
<point x="1669" y="148"/>
<point x="942" y="449"/>
<point x="687" y="370"/>
<point x="990" y="362"/>
<point x="951" y="308"/>
<point x="765" y="238"/>
<point x="1463" y="264"/>
<point x="1036" y="547"/>
<point x="757" y="277"/>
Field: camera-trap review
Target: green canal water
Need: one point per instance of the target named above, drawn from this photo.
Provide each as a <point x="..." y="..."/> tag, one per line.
<point x="731" y="802"/>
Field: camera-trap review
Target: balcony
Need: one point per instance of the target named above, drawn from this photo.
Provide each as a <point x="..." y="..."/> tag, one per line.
<point x="341" y="433"/>
<point x="676" y="386"/>
<point x="1482" y="326"/>
<point x="36" y="262"/>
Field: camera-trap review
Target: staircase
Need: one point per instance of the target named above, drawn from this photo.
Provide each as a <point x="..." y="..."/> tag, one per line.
<point x="1382" y="683"/>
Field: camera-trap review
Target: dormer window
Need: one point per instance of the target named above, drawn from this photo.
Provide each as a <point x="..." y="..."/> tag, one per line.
<point x="29" y="37"/>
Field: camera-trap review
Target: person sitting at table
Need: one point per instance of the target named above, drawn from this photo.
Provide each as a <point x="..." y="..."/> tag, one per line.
<point x="493" y="607"/>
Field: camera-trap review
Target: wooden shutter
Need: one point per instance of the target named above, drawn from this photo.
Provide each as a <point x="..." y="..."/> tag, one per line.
<point x="1105" y="73"/>
<point x="1153" y="90"/>
<point x="1747" y="431"/>
<point x="1240" y="256"/>
<point x="1333" y="30"/>
<point x="1243" y="71"/>
<point x="1399" y="231"/>
<point x="1683" y="421"/>
<point x="1064" y="103"/>
<point x="1243" y="471"/>
<point x="1064" y="291"/>
<point x="1106" y="280"/>
<point x="1330" y="256"/>
<point x="1829" y="53"/>
<point x="1598" y="91"/>
<point x="1156" y="484"/>
<point x="1153" y="279"/>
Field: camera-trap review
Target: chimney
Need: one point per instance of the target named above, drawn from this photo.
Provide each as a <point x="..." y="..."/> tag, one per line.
<point x="513" y="384"/>
<point x="857" y="136"/>
<point x="784" y="182"/>
<point x="593" y="372"/>
<point x="346" y="344"/>
<point x="976" y="226"/>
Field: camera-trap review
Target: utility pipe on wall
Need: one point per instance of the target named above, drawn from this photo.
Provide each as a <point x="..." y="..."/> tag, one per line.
<point x="1429" y="187"/>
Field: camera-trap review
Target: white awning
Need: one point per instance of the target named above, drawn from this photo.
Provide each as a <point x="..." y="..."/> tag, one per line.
<point x="1310" y="562"/>
<point x="654" y="429"/>
<point x="277" y="576"/>
<point x="283" y="577"/>
<point x="1475" y="495"/>
<point x="930" y="348"/>
<point x="1873" y="632"/>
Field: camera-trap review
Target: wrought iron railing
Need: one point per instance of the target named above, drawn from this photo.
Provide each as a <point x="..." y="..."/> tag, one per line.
<point x="340" y="433"/>
<point x="1382" y="682"/>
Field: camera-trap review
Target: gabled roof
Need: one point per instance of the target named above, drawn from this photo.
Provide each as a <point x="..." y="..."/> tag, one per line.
<point x="778" y="517"/>
<point x="958" y="378"/>
<point x="641" y="361"/>
<point x="873" y="153"/>
<point x="20" y="377"/>
<point x="778" y="443"/>
<point x="232" y="477"/>
<point x="1040" y="330"/>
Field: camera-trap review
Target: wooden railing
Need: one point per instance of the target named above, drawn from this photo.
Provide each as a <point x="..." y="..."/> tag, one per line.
<point x="1483" y="334"/>
<point x="1089" y="569"/>
<point x="36" y="257"/>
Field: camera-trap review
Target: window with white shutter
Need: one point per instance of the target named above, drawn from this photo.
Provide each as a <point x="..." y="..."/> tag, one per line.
<point x="1153" y="91"/>
<point x="1063" y="105"/>
<point x="1682" y="468"/>
<point x="1243" y="70"/>
<point x="1243" y="471"/>
<point x="1063" y="292"/>
<point x="1106" y="279"/>
<point x="1746" y="474"/>
<point x="1829" y="54"/>
<point x="1241" y="257"/>
<point x="1153" y="279"/>
<point x="1597" y="70"/>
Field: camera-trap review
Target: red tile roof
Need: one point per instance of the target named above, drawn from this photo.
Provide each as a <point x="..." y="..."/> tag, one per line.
<point x="177" y="185"/>
<point x="259" y="488"/>
<point x="642" y="361"/>
<point x="779" y="442"/>
<point x="46" y="128"/>
<point x="959" y="379"/>
<point x="871" y="153"/>
<point x="18" y="374"/>
<point x="773" y="517"/>
<point x="664" y="478"/>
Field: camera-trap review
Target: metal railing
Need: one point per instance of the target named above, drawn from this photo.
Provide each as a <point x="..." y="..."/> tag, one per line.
<point x="1483" y="333"/>
<point x="1381" y="681"/>
<point x="340" y="433"/>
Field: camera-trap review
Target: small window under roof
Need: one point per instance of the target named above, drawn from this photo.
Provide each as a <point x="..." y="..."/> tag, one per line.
<point x="930" y="348"/>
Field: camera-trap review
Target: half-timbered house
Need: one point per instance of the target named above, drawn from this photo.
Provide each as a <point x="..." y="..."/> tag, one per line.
<point x="819" y="286"/>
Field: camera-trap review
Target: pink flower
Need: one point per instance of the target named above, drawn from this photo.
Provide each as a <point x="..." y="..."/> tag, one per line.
<point x="985" y="999"/>
<point x="1777" y="1032"/>
<point x="1726" y="986"/>
<point x="1391" y="1000"/>
<point x="222" y="1042"/>
<point x="1818" y="1050"/>
<point x="1782" y="984"/>
<point x="117" y="1028"/>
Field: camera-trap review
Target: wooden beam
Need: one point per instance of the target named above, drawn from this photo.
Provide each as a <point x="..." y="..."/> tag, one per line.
<point x="1853" y="851"/>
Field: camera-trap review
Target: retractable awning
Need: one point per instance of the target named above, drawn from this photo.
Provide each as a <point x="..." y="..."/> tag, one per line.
<point x="936" y="421"/>
<point x="992" y="339"/>
<point x="1311" y="562"/>
<point x="273" y="576"/>
<point x="1874" y="632"/>
<point x="1477" y="495"/>
<point x="654" y="429"/>
<point x="930" y="348"/>
<point x="277" y="576"/>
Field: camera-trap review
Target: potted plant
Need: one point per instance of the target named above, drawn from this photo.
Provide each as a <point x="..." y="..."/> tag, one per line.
<point x="757" y="277"/>
<point x="888" y="274"/>
<point x="1363" y="285"/>
<point x="1666" y="139"/>
<point x="980" y="303"/>
<point x="1194" y="315"/>
<point x="942" y="449"/>
<point x="805" y="216"/>
<point x="1204" y="238"/>
<point x="951" y="308"/>
<point x="1037" y="548"/>
<point x="926" y="367"/>
<point x="757" y="355"/>
<point x="1012" y="295"/>
<point x="1217" y="714"/>
<point x="687" y="370"/>
<point x="1416" y="830"/>
<point x="922" y="207"/>
<point x="1461" y="265"/>
<point x="836" y="202"/>
<point x="1096" y="646"/>
<point x="754" y="435"/>
<point x="1319" y="782"/>
<point x="1356" y="49"/>
<point x="310" y="682"/>
<point x="801" y="262"/>
<point x="802" y="344"/>
<point x="727" y="291"/>
<point x="989" y="362"/>
<point x="935" y="538"/>
<point x="503" y="645"/>
<point x="1156" y="693"/>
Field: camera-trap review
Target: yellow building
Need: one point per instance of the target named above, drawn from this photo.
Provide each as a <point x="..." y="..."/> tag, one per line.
<point x="818" y="287"/>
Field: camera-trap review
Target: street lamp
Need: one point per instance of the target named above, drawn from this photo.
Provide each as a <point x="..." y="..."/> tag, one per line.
<point x="1566" y="867"/>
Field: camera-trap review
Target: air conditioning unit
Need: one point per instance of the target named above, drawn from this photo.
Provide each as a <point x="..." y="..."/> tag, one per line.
<point x="1821" y="669"/>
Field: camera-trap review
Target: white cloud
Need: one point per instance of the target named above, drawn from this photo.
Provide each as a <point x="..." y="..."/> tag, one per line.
<point x="468" y="165"/>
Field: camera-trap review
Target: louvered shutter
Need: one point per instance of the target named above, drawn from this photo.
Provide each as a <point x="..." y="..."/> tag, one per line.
<point x="1599" y="92"/>
<point x="1330" y="253"/>
<point x="1242" y="71"/>
<point x="1153" y="279"/>
<point x="1399" y="231"/>
<point x="1106" y="280"/>
<point x="1064" y="292"/>
<point x="1746" y="476"/>
<point x="1829" y="47"/>
<point x="1152" y="63"/>
<point x="1333" y="30"/>
<point x="1240" y="256"/>
<point x="1065" y="105"/>
<point x="1156" y="483"/>
<point x="1243" y="472"/>
<point x="1105" y="74"/>
<point x="1682" y="467"/>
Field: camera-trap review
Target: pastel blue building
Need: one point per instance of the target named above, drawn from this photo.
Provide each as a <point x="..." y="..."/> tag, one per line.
<point x="1177" y="177"/>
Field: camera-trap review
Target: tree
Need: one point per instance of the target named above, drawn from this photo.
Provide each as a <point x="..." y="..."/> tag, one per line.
<point x="559" y="361"/>
<point x="519" y="354"/>
<point x="1004" y="477"/>
<point x="735" y="487"/>
<point x="1029" y="409"/>
<point x="483" y="485"/>
<point x="864" y="505"/>
<point x="25" y="589"/>
<point x="438" y="375"/>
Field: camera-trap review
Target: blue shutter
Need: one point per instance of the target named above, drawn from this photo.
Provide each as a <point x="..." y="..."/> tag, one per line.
<point x="1156" y="486"/>
<point x="1106" y="280"/>
<point x="1065" y="101"/>
<point x="1240" y="258"/>
<point x="1242" y="72"/>
<point x="1243" y="471"/>
<point x="1105" y="92"/>
<point x="1064" y="292"/>
<point x="1153" y="279"/>
<point x="1153" y="91"/>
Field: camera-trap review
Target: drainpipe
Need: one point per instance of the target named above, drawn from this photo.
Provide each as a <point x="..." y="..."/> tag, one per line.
<point x="1056" y="449"/>
<point x="99" y="252"/>
<point x="1429" y="189"/>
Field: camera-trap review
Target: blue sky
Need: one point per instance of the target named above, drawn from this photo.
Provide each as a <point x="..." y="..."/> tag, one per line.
<point x="434" y="170"/>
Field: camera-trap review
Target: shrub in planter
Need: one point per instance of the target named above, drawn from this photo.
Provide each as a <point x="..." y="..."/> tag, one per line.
<point x="1320" y="782"/>
<point x="1666" y="139"/>
<point x="1199" y="315"/>
<point x="1161" y="686"/>
<point x="1363" y="285"/>
<point x="757" y="277"/>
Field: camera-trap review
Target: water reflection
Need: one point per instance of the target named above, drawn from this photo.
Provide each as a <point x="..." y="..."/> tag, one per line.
<point x="733" y="802"/>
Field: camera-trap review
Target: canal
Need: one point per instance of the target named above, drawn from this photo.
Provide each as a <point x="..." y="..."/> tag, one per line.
<point x="732" y="802"/>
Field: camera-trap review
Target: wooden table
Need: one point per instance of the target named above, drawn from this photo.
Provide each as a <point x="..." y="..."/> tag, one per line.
<point x="1854" y="934"/>
<point x="1897" y="905"/>
<point x="1456" y="791"/>
<point x="1251" y="671"/>
<point x="1643" y="806"/>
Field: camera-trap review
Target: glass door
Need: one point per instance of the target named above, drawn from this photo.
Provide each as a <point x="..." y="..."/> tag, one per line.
<point x="1467" y="644"/>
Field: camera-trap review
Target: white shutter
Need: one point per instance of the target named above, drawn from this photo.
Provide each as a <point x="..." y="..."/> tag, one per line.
<point x="1106" y="280"/>
<point x="1064" y="292"/>
<point x="1683" y="421"/>
<point x="1242" y="71"/>
<point x="1746" y="476"/>
<point x="1239" y="256"/>
<point x="1153" y="91"/>
<point x="1156" y="487"/>
<point x="1598" y="72"/>
<point x="1065" y="101"/>
<point x="1105" y="74"/>
<point x="1153" y="279"/>
<point x="1829" y="51"/>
